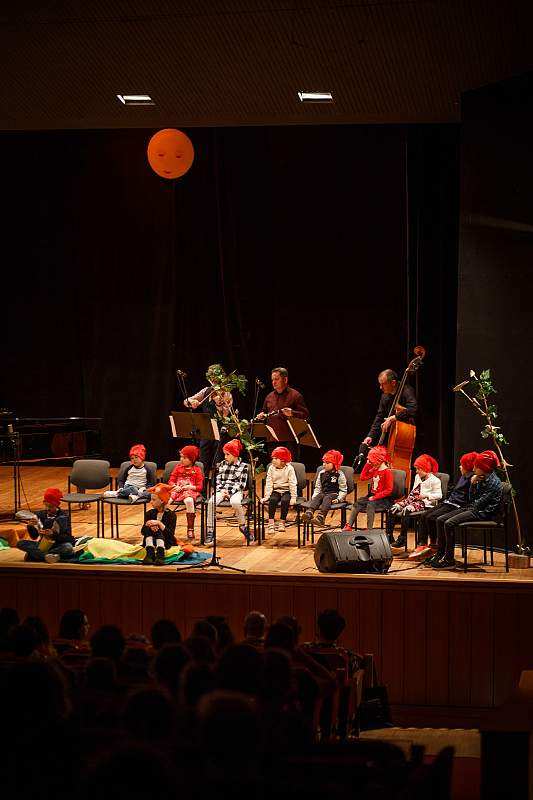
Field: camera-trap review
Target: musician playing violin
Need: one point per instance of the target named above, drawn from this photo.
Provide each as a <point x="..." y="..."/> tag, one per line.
<point x="281" y="404"/>
<point x="405" y="410"/>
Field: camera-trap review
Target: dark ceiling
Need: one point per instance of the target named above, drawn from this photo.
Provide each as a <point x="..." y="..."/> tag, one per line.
<point x="237" y="62"/>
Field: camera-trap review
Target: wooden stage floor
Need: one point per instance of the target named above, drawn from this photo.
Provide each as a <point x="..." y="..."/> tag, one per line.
<point x="449" y="646"/>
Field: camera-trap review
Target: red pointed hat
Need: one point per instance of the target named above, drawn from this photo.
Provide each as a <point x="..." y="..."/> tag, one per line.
<point x="487" y="461"/>
<point x="427" y="463"/>
<point x="283" y="453"/>
<point x="233" y="448"/>
<point x="162" y="490"/>
<point x="138" y="450"/>
<point x="468" y="461"/>
<point x="191" y="452"/>
<point x="53" y="496"/>
<point x="378" y="455"/>
<point x="333" y="457"/>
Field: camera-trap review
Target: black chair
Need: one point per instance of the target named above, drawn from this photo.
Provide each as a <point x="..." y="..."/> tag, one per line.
<point x="414" y="516"/>
<point x="488" y="526"/>
<point x="302" y="484"/>
<point x="201" y="501"/>
<point x="86" y="474"/>
<point x="115" y="502"/>
<point x="345" y="504"/>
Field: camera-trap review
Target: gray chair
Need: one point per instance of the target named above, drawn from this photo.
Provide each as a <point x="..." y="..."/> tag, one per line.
<point x="414" y="516"/>
<point x="86" y="474"/>
<point x="302" y="484"/>
<point x="308" y="526"/>
<point x="501" y="523"/>
<point x="200" y="501"/>
<point x="115" y="502"/>
<point x="399" y="489"/>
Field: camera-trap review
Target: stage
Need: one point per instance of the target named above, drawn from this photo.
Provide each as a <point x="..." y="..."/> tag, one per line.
<point x="449" y="646"/>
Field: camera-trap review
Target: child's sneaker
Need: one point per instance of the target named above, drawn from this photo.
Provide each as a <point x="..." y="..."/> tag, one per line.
<point x="133" y="498"/>
<point x="159" y="557"/>
<point x="52" y="558"/>
<point x="248" y="535"/>
<point x="209" y="538"/>
<point x="110" y="493"/>
<point x="271" y="528"/>
<point x="421" y="552"/>
<point x="320" y="518"/>
<point x="150" y="555"/>
<point x="281" y="526"/>
<point x="347" y="527"/>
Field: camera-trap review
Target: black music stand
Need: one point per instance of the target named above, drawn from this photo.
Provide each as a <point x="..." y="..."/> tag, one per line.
<point x="206" y="428"/>
<point x="261" y="430"/>
<point x="302" y="432"/>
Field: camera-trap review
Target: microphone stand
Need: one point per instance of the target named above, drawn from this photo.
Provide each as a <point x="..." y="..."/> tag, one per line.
<point x="181" y="375"/>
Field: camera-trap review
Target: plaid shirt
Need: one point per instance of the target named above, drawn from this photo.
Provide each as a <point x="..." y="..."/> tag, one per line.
<point x="232" y="477"/>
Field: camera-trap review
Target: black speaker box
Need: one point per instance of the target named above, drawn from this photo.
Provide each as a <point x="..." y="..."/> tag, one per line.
<point x="353" y="551"/>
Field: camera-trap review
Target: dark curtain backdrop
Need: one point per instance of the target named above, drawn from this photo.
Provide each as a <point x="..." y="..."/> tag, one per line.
<point x="496" y="255"/>
<point x="281" y="246"/>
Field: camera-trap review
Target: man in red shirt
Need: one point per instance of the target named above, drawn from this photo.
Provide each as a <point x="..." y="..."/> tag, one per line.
<point x="286" y="402"/>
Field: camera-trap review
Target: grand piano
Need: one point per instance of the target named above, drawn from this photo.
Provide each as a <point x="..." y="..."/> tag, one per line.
<point x="49" y="438"/>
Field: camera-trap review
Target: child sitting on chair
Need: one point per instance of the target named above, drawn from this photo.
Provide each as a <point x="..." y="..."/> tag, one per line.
<point x="280" y="487"/>
<point x="377" y="470"/>
<point x="50" y="537"/>
<point x="159" y="526"/>
<point x="186" y="481"/>
<point x="330" y="487"/>
<point x="136" y="478"/>
<point x="231" y="483"/>
<point x="426" y="492"/>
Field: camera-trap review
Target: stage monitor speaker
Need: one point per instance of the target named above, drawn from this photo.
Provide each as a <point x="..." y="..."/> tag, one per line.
<point x="353" y="551"/>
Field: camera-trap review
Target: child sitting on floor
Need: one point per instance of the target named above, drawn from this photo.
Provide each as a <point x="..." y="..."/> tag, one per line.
<point x="426" y="492"/>
<point x="231" y="483"/>
<point x="330" y="487"/>
<point x="50" y="537"/>
<point x="186" y="481"/>
<point x="136" y="478"/>
<point x="377" y="470"/>
<point x="159" y="526"/>
<point x="280" y="487"/>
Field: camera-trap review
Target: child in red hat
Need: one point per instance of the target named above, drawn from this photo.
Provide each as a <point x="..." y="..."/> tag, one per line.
<point x="187" y="481"/>
<point x="426" y="492"/>
<point x="159" y="525"/>
<point x="231" y="484"/>
<point x="378" y="471"/>
<point x="456" y="500"/>
<point x="50" y="536"/>
<point x="484" y="502"/>
<point x="137" y="477"/>
<point x="330" y="487"/>
<point x="280" y="487"/>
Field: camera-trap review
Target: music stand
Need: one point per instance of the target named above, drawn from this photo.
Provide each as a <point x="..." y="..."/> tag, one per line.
<point x="302" y="432"/>
<point x="262" y="431"/>
<point x="207" y="428"/>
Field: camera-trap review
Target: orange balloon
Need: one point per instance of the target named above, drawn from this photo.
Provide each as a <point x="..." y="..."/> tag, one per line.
<point x="170" y="153"/>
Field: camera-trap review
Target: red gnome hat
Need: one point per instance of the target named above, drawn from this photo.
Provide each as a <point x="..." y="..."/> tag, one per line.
<point x="468" y="461"/>
<point x="283" y="453"/>
<point x="233" y="448"/>
<point x="333" y="457"/>
<point x="487" y="461"/>
<point x="427" y="463"/>
<point x="138" y="450"/>
<point x="378" y="455"/>
<point x="162" y="490"/>
<point x="191" y="452"/>
<point x="53" y="496"/>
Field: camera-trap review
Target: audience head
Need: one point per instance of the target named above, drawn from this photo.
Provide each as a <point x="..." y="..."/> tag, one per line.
<point x="330" y="625"/>
<point x="280" y="636"/>
<point x="169" y="664"/>
<point x="52" y="499"/>
<point x="100" y="674"/>
<point x="232" y="451"/>
<point x="164" y="631"/>
<point x="388" y="381"/>
<point x="74" y="625"/>
<point x="224" y="634"/>
<point x="40" y="630"/>
<point x="8" y="619"/>
<point x="280" y="378"/>
<point x="35" y="695"/>
<point x="332" y="460"/>
<point x="425" y="465"/>
<point x="197" y="680"/>
<point x="23" y="641"/>
<point x="276" y="676"/>
<point x="200" y="649"/>
<point x="239" y="669"/>
<point x="204" y="628"/>
<point x="467" y="463"/>
<point x="293" y="624"/>
<point x="148" y="715"/>
<point x="108" y="642"/>
<point x="137" y="455"/>
<point x="189" y="455"/>
<point x="255" y="625"/>
<point x="227" y="723"/>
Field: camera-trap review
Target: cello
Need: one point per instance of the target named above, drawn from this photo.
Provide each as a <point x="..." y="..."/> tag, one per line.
<point x="402" y="435"/>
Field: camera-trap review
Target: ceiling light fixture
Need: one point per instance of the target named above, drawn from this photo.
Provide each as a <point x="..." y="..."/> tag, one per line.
<point x="315" y="97"/>
<point x="136" y="99"/>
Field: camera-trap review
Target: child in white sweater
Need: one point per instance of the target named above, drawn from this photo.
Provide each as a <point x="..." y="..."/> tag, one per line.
<point x="426" y="493"/>
<point x="280" y="487"/>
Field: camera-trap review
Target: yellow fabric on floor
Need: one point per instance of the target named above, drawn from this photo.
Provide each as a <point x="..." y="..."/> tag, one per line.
<point x="466" y="741"/>
<point x="114" y="548"/>
<point x="11" y="554"/>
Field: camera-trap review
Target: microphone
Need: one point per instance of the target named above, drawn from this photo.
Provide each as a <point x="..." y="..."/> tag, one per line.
<point x="180" y="373"/>
<point x="460" y="386"/>
<point x="259" y="383"/>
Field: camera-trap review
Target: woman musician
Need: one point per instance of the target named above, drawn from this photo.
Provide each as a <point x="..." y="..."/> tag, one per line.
<point x="216" y="403"/>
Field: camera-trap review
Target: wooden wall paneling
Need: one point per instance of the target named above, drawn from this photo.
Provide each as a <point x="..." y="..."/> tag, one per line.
<point x="259" y="599"/>
<point x="131" y="601"/>
<point x="348" y="605"/>
<point x="197" y="603"/>
<point x="482" y="649"/>
<point x="460" y="648"/>
<point x="525" y="637"/>
<point x="281" y="599"/>
<point x="506" y="633"/>
<point x="68" y="594"/>
<point x="370" y="624"/>
<point x="8" y="592"/>
<point x="176" y="604"/>
<point x="90" y="601"/>
<point x="26" y="604"/>
<point x="152" y="604"/>
<point x="235" y="606"/>
<point x="305" y="609"/>
<point x="47" y="601"/>
<point x="437" y="648"/>
<point x="392" y="643"/>
<point x="111" y="602"/>
<point x="415" y="650"/>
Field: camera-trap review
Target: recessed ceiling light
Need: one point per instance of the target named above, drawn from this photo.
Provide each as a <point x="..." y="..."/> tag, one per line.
<point x="136" y="99"/>
<point x="315" y="97"/>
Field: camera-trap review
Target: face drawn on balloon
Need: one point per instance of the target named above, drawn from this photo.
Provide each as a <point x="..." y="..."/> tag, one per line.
<point x="170" y="153"/>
